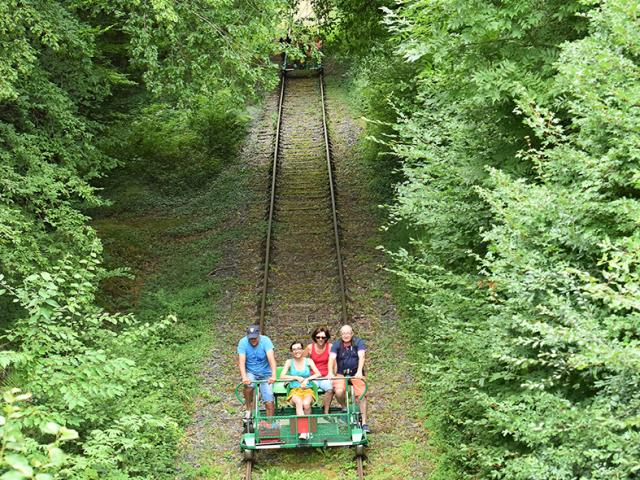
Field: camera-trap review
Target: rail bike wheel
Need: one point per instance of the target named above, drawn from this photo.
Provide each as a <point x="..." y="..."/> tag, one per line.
<point x="248" y="455"/>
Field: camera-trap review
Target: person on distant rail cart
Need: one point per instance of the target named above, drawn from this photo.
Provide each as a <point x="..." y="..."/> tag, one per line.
<point x="347" y="360"/>
<point x="300" y="370"/>
<point x="318" y="351"/>
<point x="284" y="42"/>
<point x="257" y="361"/>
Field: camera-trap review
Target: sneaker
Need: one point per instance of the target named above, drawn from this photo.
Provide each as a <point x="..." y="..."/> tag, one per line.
<point x="304" y="436"/>
<point x="247" y="414"/>
<point x="365" y="428"/>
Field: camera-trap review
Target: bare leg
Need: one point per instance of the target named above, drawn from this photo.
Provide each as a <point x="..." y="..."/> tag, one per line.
<point x="326" y="401"/>
<point x="271" y="408"/>
<point x="306" y="404"/>
<point x="363" y="409"/>
<point x="248" y="398"/>
<point x="339" y="390"/>
<point x="297" y="401"/>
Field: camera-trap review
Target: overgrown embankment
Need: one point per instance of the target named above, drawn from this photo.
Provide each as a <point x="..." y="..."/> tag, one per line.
<point x="153" y="88"/>
<point x="514" y="130"/>
<point x="174" y="226"/>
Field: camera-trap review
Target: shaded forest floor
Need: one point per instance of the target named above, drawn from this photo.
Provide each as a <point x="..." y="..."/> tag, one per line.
<point x="198" y="254"/>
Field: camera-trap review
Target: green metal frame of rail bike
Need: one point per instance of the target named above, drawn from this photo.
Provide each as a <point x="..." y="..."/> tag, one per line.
<point x="311" y="66"/>
<point x="338" y="428"/>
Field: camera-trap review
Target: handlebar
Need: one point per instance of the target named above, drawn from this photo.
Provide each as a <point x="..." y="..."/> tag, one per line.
<point x="241" y="384"/>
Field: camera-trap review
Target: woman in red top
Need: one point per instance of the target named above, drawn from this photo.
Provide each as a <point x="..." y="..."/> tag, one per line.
<point x="318" y="351"/>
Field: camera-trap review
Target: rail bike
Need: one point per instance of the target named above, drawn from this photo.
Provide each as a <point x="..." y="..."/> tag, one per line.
<point x="339" y="428"/>
<point x="305" y="62"/>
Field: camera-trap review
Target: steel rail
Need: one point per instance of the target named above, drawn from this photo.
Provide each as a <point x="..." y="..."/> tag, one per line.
<point x="343" y="292"/>
<point x="334" y="214"/>
<point x="274" y="170"/>
<point x="360" y="466"/>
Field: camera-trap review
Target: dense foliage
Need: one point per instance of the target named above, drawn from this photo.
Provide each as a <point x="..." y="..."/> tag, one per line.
<point x="519" y="154"/>
<point x="86" y="86"/>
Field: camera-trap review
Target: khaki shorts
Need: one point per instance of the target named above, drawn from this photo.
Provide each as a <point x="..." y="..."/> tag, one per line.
<point x="357" y="383"/>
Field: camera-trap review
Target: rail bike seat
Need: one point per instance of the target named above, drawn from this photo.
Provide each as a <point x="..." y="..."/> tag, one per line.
<point x="279" y="388"/>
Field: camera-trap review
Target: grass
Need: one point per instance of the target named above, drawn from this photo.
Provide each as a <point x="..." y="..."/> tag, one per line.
<point x="171" y="242"/>
<point x="399" y="446"/>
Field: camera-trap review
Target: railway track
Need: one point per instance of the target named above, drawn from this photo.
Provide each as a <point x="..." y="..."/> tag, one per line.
<point x="303" y="278"/>
<point x="303" y="283"/>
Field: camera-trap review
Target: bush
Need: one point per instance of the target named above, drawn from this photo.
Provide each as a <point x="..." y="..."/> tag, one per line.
<point x="519" y="156"/>
<point x="76" y="362"/>
<point x="179" y="149"/>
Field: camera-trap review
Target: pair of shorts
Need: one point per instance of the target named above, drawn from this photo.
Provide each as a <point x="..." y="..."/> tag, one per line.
<point x="357" y="383"/>
<point x="301" y="393"/>
<point x="266" y="389"/>
<point x="325" y="385"/>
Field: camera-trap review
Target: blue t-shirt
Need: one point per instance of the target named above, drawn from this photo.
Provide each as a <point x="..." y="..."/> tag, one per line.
<point x="257" y="362"/>
<point x="347" y="357"/>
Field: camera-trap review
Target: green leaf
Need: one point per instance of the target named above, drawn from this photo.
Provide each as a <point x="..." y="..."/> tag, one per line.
<point x="68" y="434"/>
<point x="19" y="463"/>
<point x="56" y="456"/>
<point x="13" y="475"/>
<point x="51" y="428"/>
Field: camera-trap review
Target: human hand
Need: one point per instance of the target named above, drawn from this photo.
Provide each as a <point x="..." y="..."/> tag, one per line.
<point x="246" y="380"/>
<point x="358" y="375"/>
<point x="271" y="380"/>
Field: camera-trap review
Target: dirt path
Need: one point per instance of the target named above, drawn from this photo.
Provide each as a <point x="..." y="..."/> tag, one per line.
<point x="399" y="446"/>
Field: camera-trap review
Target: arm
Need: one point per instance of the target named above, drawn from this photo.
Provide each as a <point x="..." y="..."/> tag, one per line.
<point x="315" y="373"/>
<point x="331" y="366"/>
<point x="272" y="363"/>
<point x="242" y="361"/>
<point x="314" y="369"/>
<point x="360" y="364"/>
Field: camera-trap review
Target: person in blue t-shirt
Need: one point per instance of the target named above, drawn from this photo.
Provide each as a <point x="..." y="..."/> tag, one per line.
<point x="257" y="361"/>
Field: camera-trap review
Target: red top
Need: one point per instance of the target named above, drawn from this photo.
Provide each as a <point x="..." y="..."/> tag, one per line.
<point x="321" y="359"/>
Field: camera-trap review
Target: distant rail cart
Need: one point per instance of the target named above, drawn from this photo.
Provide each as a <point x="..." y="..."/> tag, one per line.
<point x="300" y="51"/>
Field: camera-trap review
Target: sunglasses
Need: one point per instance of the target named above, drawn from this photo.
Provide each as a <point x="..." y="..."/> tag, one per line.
<point x="318" y="337"/>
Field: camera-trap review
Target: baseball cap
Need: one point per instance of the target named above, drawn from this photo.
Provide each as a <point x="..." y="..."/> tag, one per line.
<point x="253" y="331"/>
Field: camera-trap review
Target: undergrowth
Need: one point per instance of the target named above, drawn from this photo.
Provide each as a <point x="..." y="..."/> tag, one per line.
<point x="172" y="236"/>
